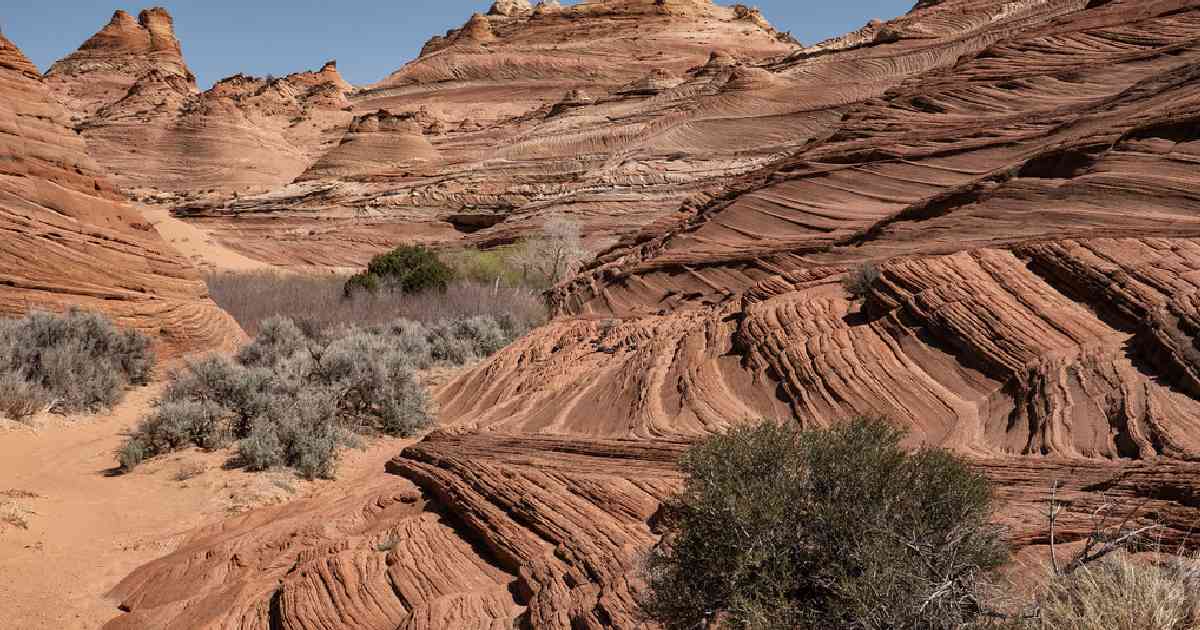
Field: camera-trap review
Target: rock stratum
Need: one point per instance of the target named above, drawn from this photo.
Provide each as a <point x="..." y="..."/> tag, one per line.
<point x="1021" y="175"/>
<point x="70" y="239"/>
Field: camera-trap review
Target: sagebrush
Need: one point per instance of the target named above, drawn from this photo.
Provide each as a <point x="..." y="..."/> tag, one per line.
<point x="837" y="528"/>
<point x="859" y="280"/>
<point x="76" y="361"/>
<point x="293" y="397"/>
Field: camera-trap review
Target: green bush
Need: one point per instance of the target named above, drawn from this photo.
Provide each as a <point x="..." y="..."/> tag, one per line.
<point x="407" y="269"/>
<point x="77" y="361"/>
<point x="837" y="528"/>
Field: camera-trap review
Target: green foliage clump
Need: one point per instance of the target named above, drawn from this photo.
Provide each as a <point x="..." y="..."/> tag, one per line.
<point x="407" y="269"/>
<point x="76" y="361"/>
<point x="836" y="528"/>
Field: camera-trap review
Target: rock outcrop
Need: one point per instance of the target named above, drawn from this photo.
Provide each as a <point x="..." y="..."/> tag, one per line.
<point x="116" y="58"/>
<point x="146" y="122"/>
<point x="508" y="144"/>
<point x="1015" y="180"/>
<point x="70" y="239"/>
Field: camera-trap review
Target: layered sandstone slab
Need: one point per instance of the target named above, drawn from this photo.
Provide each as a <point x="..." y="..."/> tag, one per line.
<point x="466" y="532"/>
<point x="495" y="531"/>
<point x="70" y="238"/>
<point x="531" y="113"/>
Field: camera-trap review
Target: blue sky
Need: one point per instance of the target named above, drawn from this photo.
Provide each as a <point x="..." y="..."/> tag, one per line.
<point x="368" y="39"/>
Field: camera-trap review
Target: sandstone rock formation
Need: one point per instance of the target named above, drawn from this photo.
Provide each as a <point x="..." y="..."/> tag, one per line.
<point x="508" y="144"/>
<point x="147" y="123"/>
<point x="106" y="66"/>
<point x="1018" y="176"/>
<point x="69" y="238"/>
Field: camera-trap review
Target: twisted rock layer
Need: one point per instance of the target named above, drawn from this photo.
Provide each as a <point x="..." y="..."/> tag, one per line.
<point x="607" y="113"/>
<point x="467" y="532"/>
<point x="530" y="113"/>
<point x="493" y="531"/>
<point x="70" y="239"/>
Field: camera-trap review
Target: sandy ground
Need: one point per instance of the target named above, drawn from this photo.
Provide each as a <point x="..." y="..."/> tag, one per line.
<point x="70" y="529"/>
<point x="197" y="245"/>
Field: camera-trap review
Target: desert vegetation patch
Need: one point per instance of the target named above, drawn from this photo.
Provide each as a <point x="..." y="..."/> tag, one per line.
<point x="70" y="362"/>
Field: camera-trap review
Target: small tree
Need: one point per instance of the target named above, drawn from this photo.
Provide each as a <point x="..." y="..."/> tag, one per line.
<point x="837" y="528"/>
<point x="554" y="255"/>
<point x="408" y="269"/>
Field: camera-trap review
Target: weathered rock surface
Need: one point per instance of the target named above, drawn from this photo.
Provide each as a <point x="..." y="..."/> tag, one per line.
<point x="469" y="531"/>
<point x="1020" y="177"/>
<point x="490" y="96"/>
<point x="109" y="64"/>
<point x="69" y="238"/>
<point x="146" y="122"/>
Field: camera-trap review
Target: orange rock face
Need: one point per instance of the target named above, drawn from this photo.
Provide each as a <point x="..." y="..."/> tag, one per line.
<point x="71" y="239"/>
<point x="145" y="121"/>
<point x="1019" y="177"/>
<point x="575" y="109"/>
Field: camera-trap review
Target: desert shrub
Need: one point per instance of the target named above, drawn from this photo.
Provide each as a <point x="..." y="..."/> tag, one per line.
<point x="836" y="528"/>
<point x="465" y="340"/>
<point x="291" y="399"/>
<point x="278" y="338"/>
<point x="317" y="302"/>
<point x="132" y="453"/>
<point x="1121" y="592"/>
<point x="19" y="397"/>
<point x="412" y="339"/>
<point x="858" y="281"/>
<point x="77" y="361"/>
<point x="407" y="269"/>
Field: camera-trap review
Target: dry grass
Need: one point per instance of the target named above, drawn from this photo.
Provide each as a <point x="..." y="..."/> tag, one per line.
<point x="19" y="494"/>
<point x="319" y="301"/>
<point x="1122" y="592"/>
<point x="190" y="470"/>
<point x="13" y="515"/>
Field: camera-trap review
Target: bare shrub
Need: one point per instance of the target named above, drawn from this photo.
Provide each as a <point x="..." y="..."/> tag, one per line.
<point x="554" y="255"/>
<point x="317" y="302"/>
<point x="1105" y="586"/>
<point x="20" y="398"/>
<point x="858" y="281"/>
<point x="190" y="470"/>
<point x="1121" y="592"/>
<point x="77" y="361"/>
